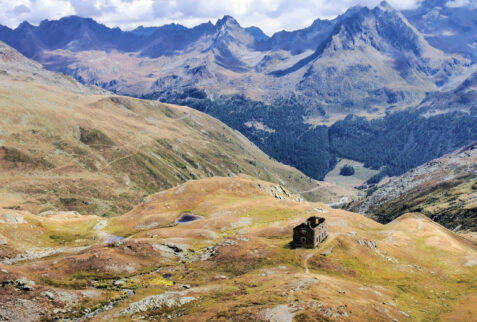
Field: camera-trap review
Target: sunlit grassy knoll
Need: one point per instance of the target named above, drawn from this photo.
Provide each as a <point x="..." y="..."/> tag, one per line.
<point x="237" y="262"/>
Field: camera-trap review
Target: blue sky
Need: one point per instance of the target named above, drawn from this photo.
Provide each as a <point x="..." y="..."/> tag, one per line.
<point x="270" y="15"/>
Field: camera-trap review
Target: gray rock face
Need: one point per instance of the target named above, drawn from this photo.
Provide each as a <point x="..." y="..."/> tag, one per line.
<point x="12" y="219"/>
<point x="35" y="254"/>
<point x="20" y="284"/>
<point x="367" y="60"/>
<point x="167" y="299"/>
<point x="48" y="294"/>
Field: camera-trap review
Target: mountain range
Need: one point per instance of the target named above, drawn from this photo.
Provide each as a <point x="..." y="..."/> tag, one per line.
<point x="119" y="208"/>
<point x="290" y="93"/>
<point x="384" y="60"/>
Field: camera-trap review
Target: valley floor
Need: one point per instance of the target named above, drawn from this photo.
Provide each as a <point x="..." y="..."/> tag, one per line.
<point x="234" y="262"/>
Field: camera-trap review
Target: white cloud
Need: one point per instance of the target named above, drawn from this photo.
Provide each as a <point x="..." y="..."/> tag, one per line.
<point x="461" y="3"/>
<point x="15" y="11"/>
<point x="270" y="15"/>
<point x="18" y="10"/>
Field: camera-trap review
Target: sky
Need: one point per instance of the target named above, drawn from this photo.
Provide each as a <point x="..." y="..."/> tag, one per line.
<point x="270" y="15"/>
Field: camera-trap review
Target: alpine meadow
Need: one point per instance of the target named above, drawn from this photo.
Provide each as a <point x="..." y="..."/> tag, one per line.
<point x="171" y="160"/>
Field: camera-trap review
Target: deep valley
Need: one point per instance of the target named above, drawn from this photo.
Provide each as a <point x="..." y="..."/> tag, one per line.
<point x="218" y="173"/>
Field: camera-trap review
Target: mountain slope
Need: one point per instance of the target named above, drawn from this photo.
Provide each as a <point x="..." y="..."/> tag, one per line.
<point x="367" y="62"/>
<point x="65" y="147"/>
<point x="463" y="99"/>
<point x="234" y="262"/>
<point x="447" y="25"/>
<point x="444" y="189"/>
<point x="16" y="67"/>
<point x="403" y="139"/>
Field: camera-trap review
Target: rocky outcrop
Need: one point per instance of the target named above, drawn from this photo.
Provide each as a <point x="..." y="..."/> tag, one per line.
<point x="167" y="299"/>
<point x="443" y="189"/>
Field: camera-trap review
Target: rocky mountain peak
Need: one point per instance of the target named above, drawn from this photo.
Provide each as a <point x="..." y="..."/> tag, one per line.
<point x="383" y="27"/>
<point x="257" y="33"/>
<point x="387" y="10"/>
<point x="354" y="12"/>
<point x="69" y="23"/>
<point x="77" y="19"/>
<point x="384" y="5"/>
<point x="24" y="26"/>
<point x="227" y="22"/>
<point x="229" y="31"/>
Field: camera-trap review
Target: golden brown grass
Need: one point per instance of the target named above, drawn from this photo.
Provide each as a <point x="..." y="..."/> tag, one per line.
<point x="418" y="271"/>
<point x="101" y="155"/>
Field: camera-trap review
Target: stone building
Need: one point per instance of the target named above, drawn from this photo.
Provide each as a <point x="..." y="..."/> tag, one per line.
<point x="310" y="233"/>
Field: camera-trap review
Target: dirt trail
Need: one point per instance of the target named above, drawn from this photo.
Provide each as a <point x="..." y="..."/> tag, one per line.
<point x="310" y="190"/>
<point x="127" y="156"/>
<point x="305" y="261"/>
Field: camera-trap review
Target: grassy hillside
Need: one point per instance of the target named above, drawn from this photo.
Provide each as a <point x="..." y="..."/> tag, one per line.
<point x="100" y="154"/>
<point x="235" y="262"/>
<point x="62" y="141"/>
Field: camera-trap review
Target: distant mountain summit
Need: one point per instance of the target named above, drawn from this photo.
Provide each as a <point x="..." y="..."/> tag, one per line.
<point x="447" y="25"/>
<point x="372" y="57"/>
<point x="363" y="60"/>
<point x="76" y="34"/>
